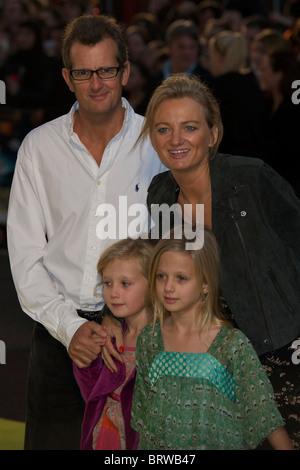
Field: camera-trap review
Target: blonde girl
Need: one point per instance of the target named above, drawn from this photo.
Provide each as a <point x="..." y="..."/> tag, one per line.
<point x="199" y="382"/>
<point x="123" y="269"/>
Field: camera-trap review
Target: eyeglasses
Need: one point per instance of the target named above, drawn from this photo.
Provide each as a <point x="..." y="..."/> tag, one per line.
<point x="104" y="73"/>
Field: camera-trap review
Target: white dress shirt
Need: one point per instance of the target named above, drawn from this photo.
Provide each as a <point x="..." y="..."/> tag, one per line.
<point x="56" y="217"/>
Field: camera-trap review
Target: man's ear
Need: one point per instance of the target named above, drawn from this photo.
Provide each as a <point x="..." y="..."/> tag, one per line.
<point x="67" y="78"/>
<point x="125" y="73"/>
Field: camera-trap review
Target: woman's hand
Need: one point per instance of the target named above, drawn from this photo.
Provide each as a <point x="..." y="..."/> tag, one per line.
<point x="108" y="351"/>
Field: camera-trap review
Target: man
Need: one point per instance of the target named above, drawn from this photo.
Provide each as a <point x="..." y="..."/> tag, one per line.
<point x="182" y="38"/>
<point x="68" y="171"/>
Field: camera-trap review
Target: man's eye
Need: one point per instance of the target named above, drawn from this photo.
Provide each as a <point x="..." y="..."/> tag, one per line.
<point x="105" y="70"/>
<point x="82" y="73"/>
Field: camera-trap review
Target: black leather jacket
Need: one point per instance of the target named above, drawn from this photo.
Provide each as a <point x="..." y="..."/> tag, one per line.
<point x="256" y="221"/>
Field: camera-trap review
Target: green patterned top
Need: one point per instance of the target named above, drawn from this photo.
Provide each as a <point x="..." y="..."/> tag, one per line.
<point x="221" y="399"/>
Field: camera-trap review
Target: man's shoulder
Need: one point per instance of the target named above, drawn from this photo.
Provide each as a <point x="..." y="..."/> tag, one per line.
<point x="54" y="126"/>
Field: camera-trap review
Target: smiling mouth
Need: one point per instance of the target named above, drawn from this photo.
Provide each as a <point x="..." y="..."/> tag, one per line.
<point x="178" y="153"/>
<point x="98" y="96"/>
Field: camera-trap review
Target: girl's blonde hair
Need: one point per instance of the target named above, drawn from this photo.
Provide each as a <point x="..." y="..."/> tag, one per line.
<point x="128" y="248"/>
<point x="182" y="86"/>
<point x="206" y="262"/>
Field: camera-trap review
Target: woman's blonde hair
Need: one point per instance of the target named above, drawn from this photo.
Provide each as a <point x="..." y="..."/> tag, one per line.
<point x="206" y="262"/>
<point x="182" y="86"/>
<point x="232" y="46"/>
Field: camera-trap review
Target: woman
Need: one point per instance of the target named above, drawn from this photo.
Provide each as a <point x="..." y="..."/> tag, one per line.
<point x="254" y="215"/>
<point x="276" y="74"/>
<point x="236" y="89"/>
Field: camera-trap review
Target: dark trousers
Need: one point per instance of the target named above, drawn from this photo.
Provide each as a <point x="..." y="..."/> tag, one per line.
<point x="54" y="404"/>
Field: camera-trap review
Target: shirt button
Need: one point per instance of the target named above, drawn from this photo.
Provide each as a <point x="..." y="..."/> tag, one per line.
<point x="98" y="182"/>
<point x="243" y="213"/>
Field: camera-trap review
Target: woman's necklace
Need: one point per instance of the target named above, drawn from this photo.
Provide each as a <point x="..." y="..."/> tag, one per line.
<point x="186" y="203"/>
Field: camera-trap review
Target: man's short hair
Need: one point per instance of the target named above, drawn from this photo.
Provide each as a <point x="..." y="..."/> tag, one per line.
<point x="90" y="30"/>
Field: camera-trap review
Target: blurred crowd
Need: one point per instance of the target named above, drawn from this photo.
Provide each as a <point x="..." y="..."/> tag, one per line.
<point x="247" y="51"/>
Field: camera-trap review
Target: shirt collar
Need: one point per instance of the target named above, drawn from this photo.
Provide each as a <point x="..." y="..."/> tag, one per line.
<point x="128" y="116"/>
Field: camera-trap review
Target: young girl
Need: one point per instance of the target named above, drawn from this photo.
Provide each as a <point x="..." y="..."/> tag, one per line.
<point x="106" y="425"/>
<point x="199" y="382"/>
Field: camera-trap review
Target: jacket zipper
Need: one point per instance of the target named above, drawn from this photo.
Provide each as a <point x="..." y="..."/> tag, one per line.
<point x="278" y="288"/>
<point x="267" y="341"/>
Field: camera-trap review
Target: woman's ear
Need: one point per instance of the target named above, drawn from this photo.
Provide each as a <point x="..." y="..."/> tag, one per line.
<point x="214" y="136"/>
<point x="205" y="288"/>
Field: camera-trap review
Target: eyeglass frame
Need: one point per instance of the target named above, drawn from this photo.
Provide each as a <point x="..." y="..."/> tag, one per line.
<point x="96" y="72"/>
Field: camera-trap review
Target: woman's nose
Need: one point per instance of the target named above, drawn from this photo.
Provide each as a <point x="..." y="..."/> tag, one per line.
<point x="176" y="138"/>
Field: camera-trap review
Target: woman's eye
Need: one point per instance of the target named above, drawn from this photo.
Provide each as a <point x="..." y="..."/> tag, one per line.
<point x="162" y="130"/>
<point x="182" y="278"/>
<point x="190" y="128"/>
<point x="107" y="283"/>
<point x="125" y="283"/>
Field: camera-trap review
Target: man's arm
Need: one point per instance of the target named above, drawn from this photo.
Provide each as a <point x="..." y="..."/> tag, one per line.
<point x="27" y="241"/>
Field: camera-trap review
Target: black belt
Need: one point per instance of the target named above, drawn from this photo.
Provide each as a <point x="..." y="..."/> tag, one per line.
<point x="96" y="315"/>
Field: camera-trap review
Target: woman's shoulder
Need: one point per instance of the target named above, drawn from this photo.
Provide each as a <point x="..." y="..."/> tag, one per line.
<point x="161" y="178"/>
<point x="236" y="161"/>
<point x="162" y="189"/>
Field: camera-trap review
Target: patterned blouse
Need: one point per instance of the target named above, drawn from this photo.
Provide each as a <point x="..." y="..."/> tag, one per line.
<point x="221" y="399"/>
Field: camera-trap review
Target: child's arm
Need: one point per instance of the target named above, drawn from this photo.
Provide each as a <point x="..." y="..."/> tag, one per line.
<point x="280" y="440"/>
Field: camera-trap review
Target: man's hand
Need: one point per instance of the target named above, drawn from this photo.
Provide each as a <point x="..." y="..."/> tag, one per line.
<point x="86" y="343"/>
<point x="114" y="330"/>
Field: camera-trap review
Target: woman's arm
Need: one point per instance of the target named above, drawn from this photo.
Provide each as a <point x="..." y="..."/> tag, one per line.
<point x="114" y="330"/>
